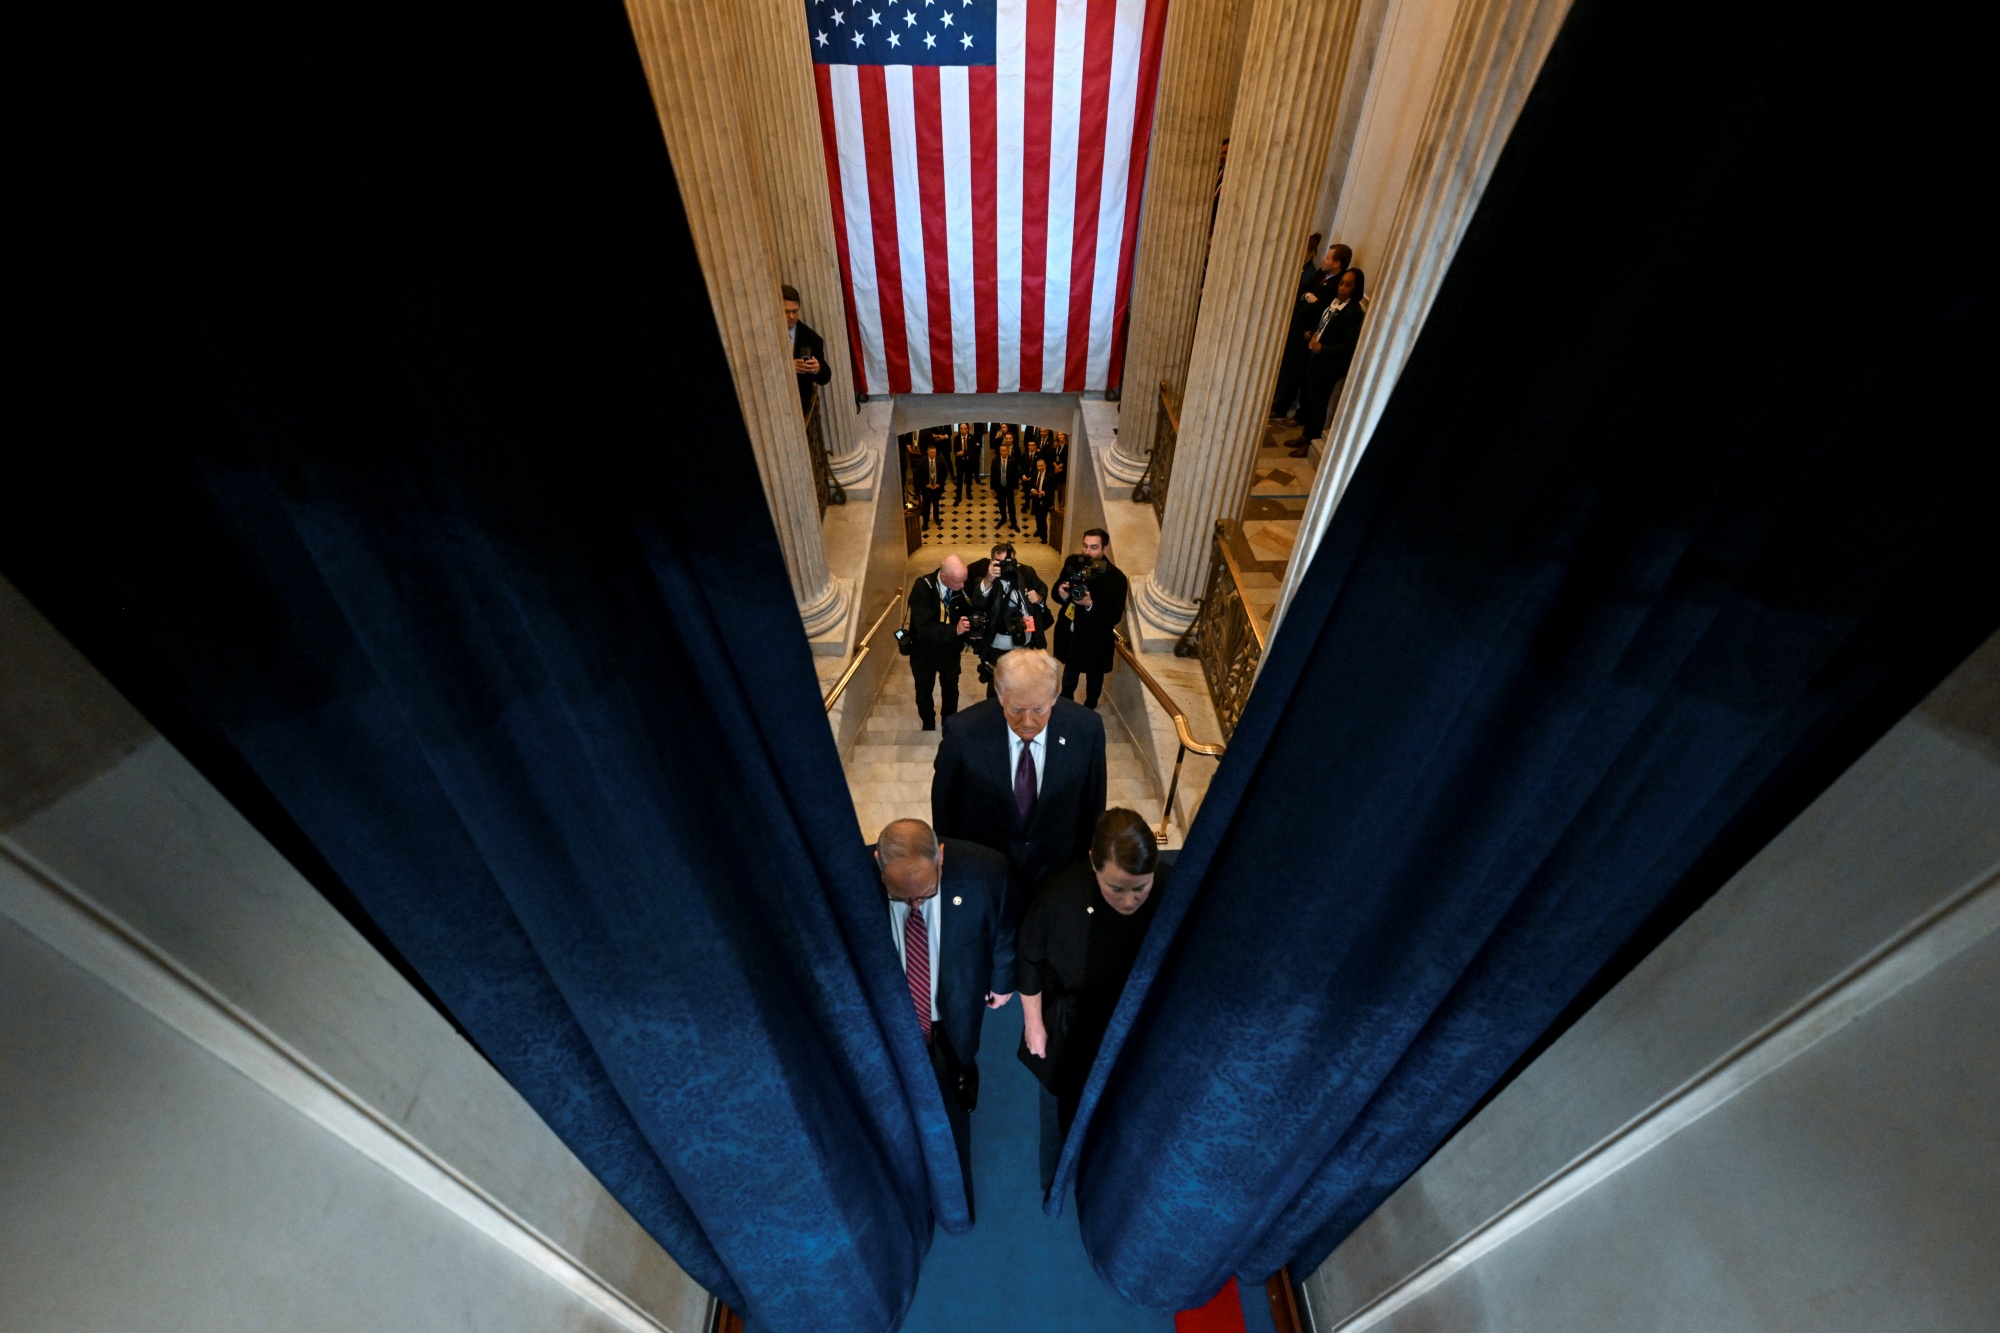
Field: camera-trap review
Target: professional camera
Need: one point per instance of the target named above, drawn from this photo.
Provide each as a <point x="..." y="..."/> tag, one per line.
<point x="1079" y="570"/>
<point x="1010" y="569"/>
<point x="959" y="606"/>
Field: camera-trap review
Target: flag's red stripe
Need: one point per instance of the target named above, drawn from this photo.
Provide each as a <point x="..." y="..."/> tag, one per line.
<point x="983" y="101"/>
<point x="1099" y="33"/>
<point x="1135" y="184"/>
<point x="930" y="192"/>
<point x="823" y="84"/>
<point x="882" y="218"/>
<point x="1035" y="116"/>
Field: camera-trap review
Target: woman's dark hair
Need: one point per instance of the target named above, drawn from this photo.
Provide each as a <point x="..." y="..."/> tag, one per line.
<point x="1360" y="283"/>
<point x="1124" y="838"/>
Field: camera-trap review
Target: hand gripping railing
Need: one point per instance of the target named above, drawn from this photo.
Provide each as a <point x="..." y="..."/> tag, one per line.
<point x="1213" y="749"/>
<point x="860" y="654"/>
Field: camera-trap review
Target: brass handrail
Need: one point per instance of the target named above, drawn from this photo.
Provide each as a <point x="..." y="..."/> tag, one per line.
<point x="1213" y="749"/>
<point x="860" y="653"/>
<point x="1242" y="591"/>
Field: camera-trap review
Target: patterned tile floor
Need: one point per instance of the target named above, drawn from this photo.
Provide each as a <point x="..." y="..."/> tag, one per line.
<point x="976" y="519"/>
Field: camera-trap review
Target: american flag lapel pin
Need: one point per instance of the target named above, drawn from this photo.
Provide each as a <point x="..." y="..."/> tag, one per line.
<point x="1062" y="740"/>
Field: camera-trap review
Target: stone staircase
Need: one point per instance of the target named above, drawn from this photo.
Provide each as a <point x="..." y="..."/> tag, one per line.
<point x="889" y="769"/>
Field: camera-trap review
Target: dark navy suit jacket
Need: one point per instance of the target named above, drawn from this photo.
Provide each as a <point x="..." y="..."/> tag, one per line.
<point x="972" y="791"/>
<point x="979" y="910"/>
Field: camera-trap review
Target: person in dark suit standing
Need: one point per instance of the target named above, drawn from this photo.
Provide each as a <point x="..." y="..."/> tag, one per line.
<point x="808" y="351"/>
<point x="1023" y="772"/>
<point x="1076" y="950"/>
<point x="938" y="626"/>
<point x="931" y="474"/>
<point x="1090" y="603"/>
<point x="953" y="923"/>
<point x="1041" y="490"/>
<point x="1330" y="352"/>
<point x="1310" y="303"/>
<point x="967" y="455"/>
<point x="1006" y="483"/>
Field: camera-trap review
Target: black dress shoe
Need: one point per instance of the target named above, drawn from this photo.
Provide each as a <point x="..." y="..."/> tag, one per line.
<point x="929" y="725"/>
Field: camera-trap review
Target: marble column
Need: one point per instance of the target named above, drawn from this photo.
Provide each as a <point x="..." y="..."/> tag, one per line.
<point x="692" y="65"/>
<point x="776" y="62"/>
<point x="1494" y="53"/>
<point x="1286" y="103"/>
<point x="1199" y="63"/>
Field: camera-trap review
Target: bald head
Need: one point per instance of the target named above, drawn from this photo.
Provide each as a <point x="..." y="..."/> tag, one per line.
<point x="910" y="858"/>
<point x="952" y="573"/>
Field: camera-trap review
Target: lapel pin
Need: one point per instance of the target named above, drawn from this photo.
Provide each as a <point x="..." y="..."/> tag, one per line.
<point x="1062" y="740"/>
<point x="1088" y="910"/>
<point x="957" y="901"/>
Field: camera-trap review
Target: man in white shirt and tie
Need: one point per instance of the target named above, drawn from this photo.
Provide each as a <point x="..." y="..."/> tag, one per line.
<point x="953" y="925"/>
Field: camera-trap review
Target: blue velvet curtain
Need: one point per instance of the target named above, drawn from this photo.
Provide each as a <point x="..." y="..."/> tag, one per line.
<point x="388" y="456"/>
<point x="1686" y="493"/>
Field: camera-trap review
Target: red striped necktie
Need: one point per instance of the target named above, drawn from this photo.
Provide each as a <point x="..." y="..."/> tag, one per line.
<point x="917" y="963"/>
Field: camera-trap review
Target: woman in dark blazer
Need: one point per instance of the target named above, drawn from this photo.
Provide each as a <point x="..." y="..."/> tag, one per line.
<point x="1330" y="351"/>
<point x="1076" y="948"/>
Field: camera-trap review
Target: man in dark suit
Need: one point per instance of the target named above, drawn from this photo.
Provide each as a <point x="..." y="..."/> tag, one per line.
<point x="808" y="351"/>
<point x="1024" y="772"/>
<point x="937" y="637"/>
<point x="1006" y="483"/>
<point x="1307" y="307"/>
<point x="931" y="475"/>
<point x="1090" y="603"/>
<point x="967" y="455"/>
<point x="953" y="922"/>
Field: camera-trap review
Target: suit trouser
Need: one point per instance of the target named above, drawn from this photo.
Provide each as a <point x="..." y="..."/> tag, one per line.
<point x="966" y="477"/>
<point x="930" y="504"/>
<point x="1007" y="498"/>
<point x="1041" y="522"/>
<point x="1093" y="687"/>
<point x="939" y="672"/>
<point x="945" y="1064"/>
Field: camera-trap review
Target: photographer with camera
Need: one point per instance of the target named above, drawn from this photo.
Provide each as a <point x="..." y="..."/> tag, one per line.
<point x="1017" y="610"/>
<point x="1090" y="603"/>
<point x="941" y="622"/>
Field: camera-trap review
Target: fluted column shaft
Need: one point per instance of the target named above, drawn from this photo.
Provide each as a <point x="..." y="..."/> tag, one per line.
<point x="783" y="108"/>
<point x="1495" y="52"/>
<point x="1198" y="69"/>
<point x="1286" y="103"/>
<point x="692" y="65"/>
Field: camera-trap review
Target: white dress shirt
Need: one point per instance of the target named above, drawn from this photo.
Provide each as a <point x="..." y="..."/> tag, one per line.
<point x="1038" y="747"/>
<point x="899" y="916"/>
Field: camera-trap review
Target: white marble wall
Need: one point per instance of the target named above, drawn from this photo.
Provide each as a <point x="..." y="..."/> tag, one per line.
<point x="221" y="1109"/>
<point x="1785" y="1120"/>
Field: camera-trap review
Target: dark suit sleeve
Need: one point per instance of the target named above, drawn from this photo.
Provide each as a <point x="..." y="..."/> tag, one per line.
<point x="1031" y="960"/>
<point x="1110" y="610"/>
<point x="815" y="346"/>
<point x="1096" y="782"/>
<point x="1004" y="934"/>
<point x="945" y="780"/>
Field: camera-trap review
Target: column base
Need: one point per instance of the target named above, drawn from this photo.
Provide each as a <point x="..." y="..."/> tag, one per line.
<point x="829" y="619"/>
<point x="856" y="472"/>
<point x="1158" y="617"/>
<point x="1119" y="473"/>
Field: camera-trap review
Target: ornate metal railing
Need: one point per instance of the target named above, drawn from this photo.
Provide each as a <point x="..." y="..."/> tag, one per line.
<point x="1226" y="635"/>
<point x="860" y="654"/>
<point x="825" y="486"/>
<point x="1152" y="487"/>
<point x="1186" y="738"/>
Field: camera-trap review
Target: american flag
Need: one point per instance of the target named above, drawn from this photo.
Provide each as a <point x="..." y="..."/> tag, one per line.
<point x="985" y="159"/>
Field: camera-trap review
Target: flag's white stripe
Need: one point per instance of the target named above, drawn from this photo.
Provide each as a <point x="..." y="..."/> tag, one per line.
<point x="1010" y="98"/>
<point x="909" y="223"/>
<point x="1065" y="111"/>
<point x="1120" y="113"/>
<point x="853" y="152"/>
<point x="954" y="95"/>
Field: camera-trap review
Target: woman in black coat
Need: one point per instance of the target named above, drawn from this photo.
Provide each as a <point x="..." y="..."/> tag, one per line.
<point x="1330" y="351"/>
<point x="1075" y="949"/>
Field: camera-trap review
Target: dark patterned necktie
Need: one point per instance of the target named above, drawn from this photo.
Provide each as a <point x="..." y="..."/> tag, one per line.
<point x="917" y="964"/>
<point x="1024" y="783"/>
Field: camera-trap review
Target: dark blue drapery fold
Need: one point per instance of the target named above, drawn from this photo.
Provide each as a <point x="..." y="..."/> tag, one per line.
<point x="390" y="460"/>
<point x="1645" y="548"/>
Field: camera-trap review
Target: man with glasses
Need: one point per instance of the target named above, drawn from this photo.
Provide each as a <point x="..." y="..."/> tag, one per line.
<point x="1024" y="772"/>
<point x="954" y="930"/>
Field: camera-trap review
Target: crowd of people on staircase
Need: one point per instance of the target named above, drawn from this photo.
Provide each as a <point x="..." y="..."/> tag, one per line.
<point x="1024" y="467"/>
<point x="1022" y="880"/>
